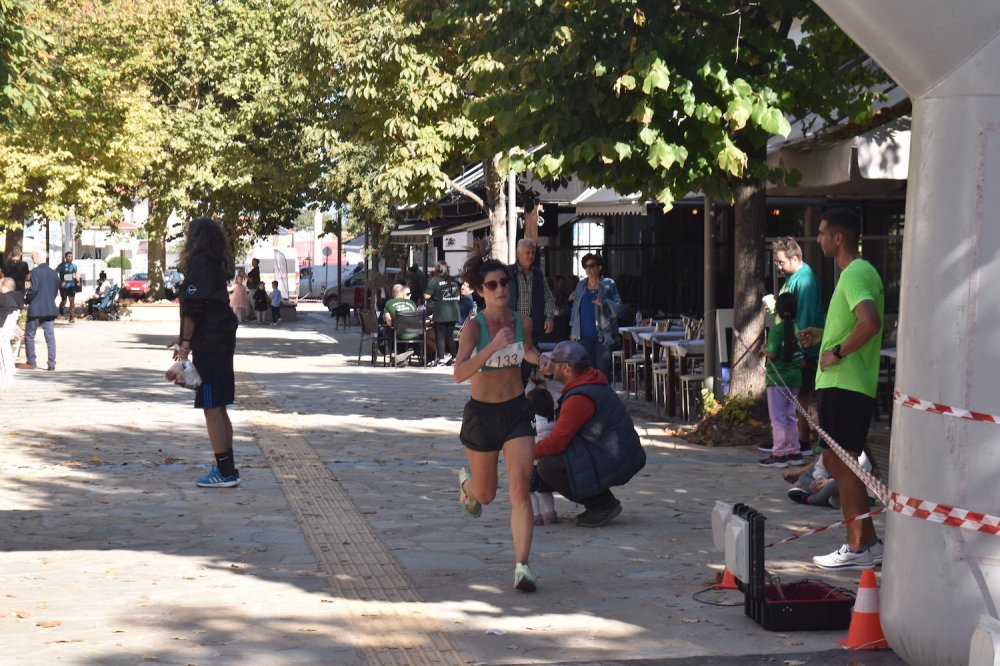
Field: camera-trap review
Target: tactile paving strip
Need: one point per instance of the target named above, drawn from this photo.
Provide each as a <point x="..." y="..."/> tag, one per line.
<point x="384" y="608"/>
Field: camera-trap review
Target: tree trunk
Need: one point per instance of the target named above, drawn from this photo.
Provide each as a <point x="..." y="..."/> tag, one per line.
<point x="156" y="230"/>
<point x="496" y="207"/>
<point x="748" y="311"/>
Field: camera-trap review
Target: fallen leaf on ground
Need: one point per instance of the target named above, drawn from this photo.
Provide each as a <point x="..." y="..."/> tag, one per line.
<point x="48" y="624"/>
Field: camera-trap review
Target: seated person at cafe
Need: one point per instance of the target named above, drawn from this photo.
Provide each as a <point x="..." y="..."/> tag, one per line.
<point x="101" y="290"/>
<point x="8" y="299"/>
<point x="593" y="444"/>
<point x="401" y="303"/>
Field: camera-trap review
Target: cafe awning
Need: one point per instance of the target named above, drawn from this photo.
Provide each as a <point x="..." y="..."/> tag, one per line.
<point x="868" y="163"/>
<point x="605" y="201"/>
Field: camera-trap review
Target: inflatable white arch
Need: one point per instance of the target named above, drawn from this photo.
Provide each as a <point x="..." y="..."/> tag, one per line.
<point x="939" y="580"/>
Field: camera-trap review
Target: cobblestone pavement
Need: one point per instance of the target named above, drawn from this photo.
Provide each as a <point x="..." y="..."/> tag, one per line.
<point x="345" y="543"/>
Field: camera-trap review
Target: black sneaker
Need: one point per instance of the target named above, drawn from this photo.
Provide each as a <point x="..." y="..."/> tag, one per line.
<point x="599" y="518"/>
<point x="799" y="495"/>
<point x="805" y="448"/>
<point x="766" y="448"/>
<point x="796" y="460"/>
<point x="773" y="461"/>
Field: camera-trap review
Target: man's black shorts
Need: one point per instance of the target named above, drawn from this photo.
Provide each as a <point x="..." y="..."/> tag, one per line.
<point x="486" y="426"/>
<point x="845" y="416"/>
<point x="218" y="381"/>
<point x="808" y="379"/>
<point x="67" y="292"/>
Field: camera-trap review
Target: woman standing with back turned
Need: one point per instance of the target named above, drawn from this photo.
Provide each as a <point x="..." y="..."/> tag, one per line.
<point x="498" y="416"/>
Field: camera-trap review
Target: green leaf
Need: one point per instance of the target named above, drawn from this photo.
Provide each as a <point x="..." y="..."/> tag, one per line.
<point x="742" y="88"/>
<point x="623" y="150"/>
<point x="648" y="135"/>
<point x="658" y="78"/>
<point x="738" y="113"/>
<point x="773" y="121"/>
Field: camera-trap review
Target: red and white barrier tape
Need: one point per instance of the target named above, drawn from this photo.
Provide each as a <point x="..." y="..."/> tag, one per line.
<point x="937" y="408"/>
<point x="826" y="527"/>
<point x="908" y="506"/>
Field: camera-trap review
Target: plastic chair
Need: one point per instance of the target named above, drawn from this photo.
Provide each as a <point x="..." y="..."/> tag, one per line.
<point x="371" y="334"/>
<point x="409" y="332"/>
<point x="617" y="362"/>
<point x="7" y="353"/>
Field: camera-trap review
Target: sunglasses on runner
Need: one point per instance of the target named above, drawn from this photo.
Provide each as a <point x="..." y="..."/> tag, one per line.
<point x="493" y="284"/>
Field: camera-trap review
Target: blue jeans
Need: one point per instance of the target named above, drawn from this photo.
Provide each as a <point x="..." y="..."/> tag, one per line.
<point x="600" y="357"/>
<point x="49" y="331"/>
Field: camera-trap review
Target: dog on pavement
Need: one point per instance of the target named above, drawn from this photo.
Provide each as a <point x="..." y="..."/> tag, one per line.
<point x="343" y="315"/>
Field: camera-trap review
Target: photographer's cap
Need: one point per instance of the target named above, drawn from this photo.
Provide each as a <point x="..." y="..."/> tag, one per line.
<point x="569" y="352"/>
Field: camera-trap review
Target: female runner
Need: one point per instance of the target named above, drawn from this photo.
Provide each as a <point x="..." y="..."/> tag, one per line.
<point x="498" y="416"/>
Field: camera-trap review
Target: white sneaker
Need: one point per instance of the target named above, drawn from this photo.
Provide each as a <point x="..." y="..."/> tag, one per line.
<point x="877" y="550"/>
<point x="845" y="558"/>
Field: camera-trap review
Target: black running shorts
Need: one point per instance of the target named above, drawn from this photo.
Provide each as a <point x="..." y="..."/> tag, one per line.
<point x="845" y="416"/>
<point x="486" y="426"/>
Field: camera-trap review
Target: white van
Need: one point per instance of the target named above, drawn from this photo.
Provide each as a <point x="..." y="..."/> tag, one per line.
<point x="266" y="255"/>
<point x="314" y="280"/>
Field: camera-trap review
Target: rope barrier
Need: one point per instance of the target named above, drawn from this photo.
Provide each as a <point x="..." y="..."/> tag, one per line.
<point x="908" y="506"/>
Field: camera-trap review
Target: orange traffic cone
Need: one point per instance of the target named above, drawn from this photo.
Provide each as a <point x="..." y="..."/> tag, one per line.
<point x="865" y="632"/>
<point x="725" y="581"/>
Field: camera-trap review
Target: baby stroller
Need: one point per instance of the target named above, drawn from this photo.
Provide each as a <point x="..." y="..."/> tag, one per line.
<point x="108" y="306"/>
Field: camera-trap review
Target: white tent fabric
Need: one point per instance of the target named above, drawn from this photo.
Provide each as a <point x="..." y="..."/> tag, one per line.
<point x="881" y="154"/>
<point x="605" y="201"/>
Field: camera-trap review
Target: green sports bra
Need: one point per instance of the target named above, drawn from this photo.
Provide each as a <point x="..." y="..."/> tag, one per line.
<point x="508" y="357"/>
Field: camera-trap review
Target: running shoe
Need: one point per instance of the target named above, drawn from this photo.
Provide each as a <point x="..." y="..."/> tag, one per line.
<point x="805" y="448"/>
<point x="773" y="461"/>
<point x="216" y="479"/>
<point x="796" y="460"/>
<point x="474" y="508"/>
<point x="799" y="495"/>
<point x="767" y="447"/>
<point x="845" y="558"/>
<point x="524" y="580"/>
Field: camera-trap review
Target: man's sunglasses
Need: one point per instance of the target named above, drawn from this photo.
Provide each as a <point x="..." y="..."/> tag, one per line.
<point x="589" y="266"/>
<point x="493" y="284"/>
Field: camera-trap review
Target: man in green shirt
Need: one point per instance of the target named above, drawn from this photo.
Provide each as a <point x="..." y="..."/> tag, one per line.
<point x="849" y="348"/>
<point x="801" y="282"/>
<point x="400" y="302"/>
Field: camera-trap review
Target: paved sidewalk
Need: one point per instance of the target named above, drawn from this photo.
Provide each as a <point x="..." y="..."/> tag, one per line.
<point x="345" y="543"/>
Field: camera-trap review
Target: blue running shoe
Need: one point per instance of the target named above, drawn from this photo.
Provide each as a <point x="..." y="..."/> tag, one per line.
<point x="215" y="479"/>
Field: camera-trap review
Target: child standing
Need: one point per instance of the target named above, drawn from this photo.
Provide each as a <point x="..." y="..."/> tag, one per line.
<point x="275" y="303"/>
<point x="784" y="369"/>
<point x="260" y="302"/>
<point x="542" y="503"/>
<point x="239" y="300"/>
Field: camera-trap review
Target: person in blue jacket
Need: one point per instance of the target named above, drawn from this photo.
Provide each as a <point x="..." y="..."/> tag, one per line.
<point x="594" y="313"/>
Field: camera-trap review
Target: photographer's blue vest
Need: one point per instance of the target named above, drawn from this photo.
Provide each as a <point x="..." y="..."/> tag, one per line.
<point x="606" y="451"/>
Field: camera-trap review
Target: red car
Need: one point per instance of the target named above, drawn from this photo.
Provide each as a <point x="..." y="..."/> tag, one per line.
<point x="136" y="286"/>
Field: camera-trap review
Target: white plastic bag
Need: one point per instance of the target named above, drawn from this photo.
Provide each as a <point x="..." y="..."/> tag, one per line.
<point x="183" y="373"/>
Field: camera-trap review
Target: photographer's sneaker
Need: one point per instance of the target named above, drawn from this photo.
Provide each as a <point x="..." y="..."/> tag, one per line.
<point x="216" y="479"/>
<point x="845" y="558"/>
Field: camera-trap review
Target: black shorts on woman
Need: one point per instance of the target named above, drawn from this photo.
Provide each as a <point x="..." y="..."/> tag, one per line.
<point x="486" y="426"/>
